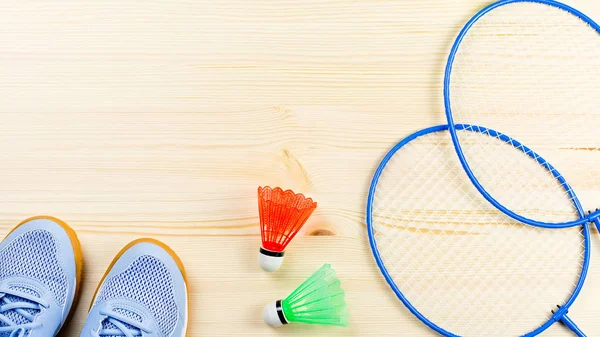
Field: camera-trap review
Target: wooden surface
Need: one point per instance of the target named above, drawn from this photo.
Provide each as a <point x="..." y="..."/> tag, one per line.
<point x="160" y="118"/>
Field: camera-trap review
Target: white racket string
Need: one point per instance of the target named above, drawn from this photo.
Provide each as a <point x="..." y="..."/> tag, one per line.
<point x="532" y="71"/>
<point x="462" y="264"/>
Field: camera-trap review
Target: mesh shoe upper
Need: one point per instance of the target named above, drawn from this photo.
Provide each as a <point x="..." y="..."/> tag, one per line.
<point x="143" y="293"/>
<point x="148" y="282"/>
<point x="35" y="255"/>
<point x="39" y="272"/>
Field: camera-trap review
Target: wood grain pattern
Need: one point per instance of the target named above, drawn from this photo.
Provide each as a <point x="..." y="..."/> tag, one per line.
<point x="129" y="119"/>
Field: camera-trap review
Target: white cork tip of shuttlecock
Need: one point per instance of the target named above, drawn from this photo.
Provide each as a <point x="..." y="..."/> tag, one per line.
<point x="270" y="315"/>
<point x="269" y="263"/>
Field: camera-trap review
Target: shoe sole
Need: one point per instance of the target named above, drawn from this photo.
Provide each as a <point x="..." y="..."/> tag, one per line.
<point x="162" y="245"/>
<point x="77" y="253"/>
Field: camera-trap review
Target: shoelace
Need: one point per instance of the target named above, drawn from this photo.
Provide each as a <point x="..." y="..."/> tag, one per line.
<point x="6" y="305"/>
<point x="120" y="322"/>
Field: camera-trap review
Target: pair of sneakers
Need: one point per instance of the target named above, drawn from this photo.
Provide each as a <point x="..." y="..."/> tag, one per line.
<point x="143" y="293"/>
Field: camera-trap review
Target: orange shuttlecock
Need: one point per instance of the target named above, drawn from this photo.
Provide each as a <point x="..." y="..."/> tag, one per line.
<point x="282" y="214"/>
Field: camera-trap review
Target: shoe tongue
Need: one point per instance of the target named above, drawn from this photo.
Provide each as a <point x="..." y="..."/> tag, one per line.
<point x="13" y="315"/>
<point x="106" y="324"/>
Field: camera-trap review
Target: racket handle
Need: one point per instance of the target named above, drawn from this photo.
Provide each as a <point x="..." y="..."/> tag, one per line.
<point x="571" y="325"/>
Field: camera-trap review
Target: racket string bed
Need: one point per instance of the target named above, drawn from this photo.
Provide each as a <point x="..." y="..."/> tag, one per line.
<point x="459" y="264"/>
<point x="506" y="172"/>
<point x="531" y="70"/>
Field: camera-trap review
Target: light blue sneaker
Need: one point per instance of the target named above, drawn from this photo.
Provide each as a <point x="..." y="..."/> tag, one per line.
<point x="40" y="273"/>
<point x="143" y="293"/>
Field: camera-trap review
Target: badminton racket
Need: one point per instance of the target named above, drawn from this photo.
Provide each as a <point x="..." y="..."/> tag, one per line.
<point x="530" y="69"/>
<point x="457" y="263"/>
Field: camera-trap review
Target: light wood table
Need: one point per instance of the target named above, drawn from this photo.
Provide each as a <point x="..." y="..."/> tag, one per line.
<point x="160" y="118"/>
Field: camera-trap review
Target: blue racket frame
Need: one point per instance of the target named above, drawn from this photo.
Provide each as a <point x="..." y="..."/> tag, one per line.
<point x="585" y="218"/>
<point x="561" y="313"/>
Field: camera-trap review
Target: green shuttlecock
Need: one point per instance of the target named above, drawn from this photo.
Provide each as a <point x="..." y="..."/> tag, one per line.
<point x="319" y="300"/>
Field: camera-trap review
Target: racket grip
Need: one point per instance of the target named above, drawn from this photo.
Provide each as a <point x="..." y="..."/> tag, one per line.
<point x="571" y="325"/>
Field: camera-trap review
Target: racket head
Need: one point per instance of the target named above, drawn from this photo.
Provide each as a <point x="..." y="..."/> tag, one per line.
<point x="529" y="68"/>
<point x="392" y="223"/>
